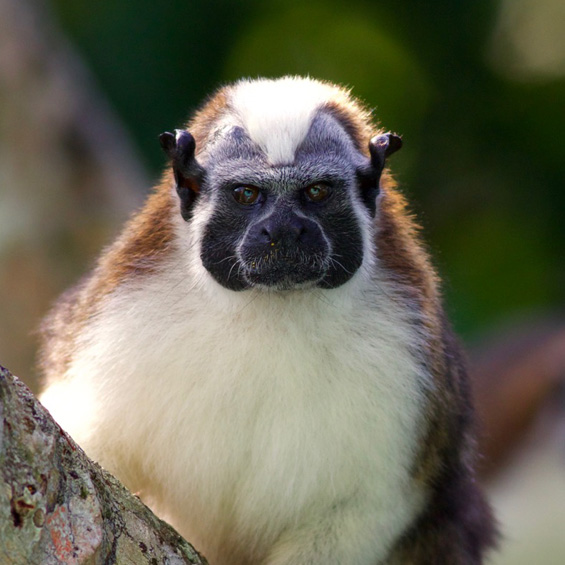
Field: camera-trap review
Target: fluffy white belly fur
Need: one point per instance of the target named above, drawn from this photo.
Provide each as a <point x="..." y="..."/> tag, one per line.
<point x="255" y="416"/>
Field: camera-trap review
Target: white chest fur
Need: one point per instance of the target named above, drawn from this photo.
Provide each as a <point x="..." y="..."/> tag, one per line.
<point x="249" y="418"/>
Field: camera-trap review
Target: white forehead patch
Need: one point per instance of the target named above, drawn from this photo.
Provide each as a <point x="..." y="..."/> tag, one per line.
<point x="277" y="113"/>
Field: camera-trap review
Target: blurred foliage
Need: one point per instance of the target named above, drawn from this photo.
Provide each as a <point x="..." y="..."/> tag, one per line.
<point x="483" y="163"/>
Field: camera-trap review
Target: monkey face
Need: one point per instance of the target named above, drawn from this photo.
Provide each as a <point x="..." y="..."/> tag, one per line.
<point x="281" y="226"/>
<point x="286" y="226"/>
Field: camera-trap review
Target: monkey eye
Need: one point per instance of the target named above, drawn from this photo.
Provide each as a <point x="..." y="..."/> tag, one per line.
<point x="317" y="192"/>
<point x="246" y="194"/>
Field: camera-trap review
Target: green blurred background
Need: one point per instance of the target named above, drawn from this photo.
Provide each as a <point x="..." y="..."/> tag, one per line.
<point x="477" y="90"/>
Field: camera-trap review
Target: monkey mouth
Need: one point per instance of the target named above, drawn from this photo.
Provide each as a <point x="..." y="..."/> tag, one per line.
<point x="283" y="271"/>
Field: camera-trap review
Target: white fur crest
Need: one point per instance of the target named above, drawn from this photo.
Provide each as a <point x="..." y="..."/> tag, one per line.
<point x="278" y="113"/>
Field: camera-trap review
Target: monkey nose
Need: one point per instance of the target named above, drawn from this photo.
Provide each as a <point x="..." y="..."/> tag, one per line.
<point x="274" y="231"/>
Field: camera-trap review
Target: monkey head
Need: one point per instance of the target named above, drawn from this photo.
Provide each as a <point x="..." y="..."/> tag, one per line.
<point x="276" y="218"/>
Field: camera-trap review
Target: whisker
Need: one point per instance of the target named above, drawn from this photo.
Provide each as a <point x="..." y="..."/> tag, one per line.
<point x="234" y="264"/>
<point x="225" y="259"/>
<point x="333" y="260"/>
<point x="254" y="296"/>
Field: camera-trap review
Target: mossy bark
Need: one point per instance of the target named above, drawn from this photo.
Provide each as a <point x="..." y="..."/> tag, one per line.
<point x="59" y="507"/>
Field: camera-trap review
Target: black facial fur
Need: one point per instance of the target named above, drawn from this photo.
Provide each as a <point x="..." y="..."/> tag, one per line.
<point x="188" y="174"/>
<point x="284" y="239"/>
<point x="284" y="249"/>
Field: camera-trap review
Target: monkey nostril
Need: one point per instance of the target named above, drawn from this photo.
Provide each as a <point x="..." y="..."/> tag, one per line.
<point x="266" y="235"/>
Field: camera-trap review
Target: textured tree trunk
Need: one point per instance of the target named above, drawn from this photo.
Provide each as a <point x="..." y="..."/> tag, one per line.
<point x="58" y="506"/>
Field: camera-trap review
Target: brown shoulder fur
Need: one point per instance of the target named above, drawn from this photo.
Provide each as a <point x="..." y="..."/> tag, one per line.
<point x="144" y="244"/>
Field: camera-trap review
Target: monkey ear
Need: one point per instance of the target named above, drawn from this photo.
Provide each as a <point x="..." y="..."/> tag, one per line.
<point x="180" y="147"/>
<point x="381" y="146"/>
<point x="368" y="175"/>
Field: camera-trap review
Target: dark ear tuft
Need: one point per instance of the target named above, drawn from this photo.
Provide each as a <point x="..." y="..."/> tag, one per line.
<point x="368" y="176"/>
<point x="168" y="143"/>
<point x="186" y="146"/>
<point x="381" y="146"/>
<point x="394" y="144"/>
<point x="180" y="148"/>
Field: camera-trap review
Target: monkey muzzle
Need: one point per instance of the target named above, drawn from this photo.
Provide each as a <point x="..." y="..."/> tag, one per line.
<point x="284" y="251"/>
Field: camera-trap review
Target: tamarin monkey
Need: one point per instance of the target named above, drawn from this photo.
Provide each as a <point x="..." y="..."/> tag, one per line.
<point x="263" y="353"/>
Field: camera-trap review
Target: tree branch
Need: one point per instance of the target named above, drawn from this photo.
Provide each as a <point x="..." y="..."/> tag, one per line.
<point x="58" y="506"/>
